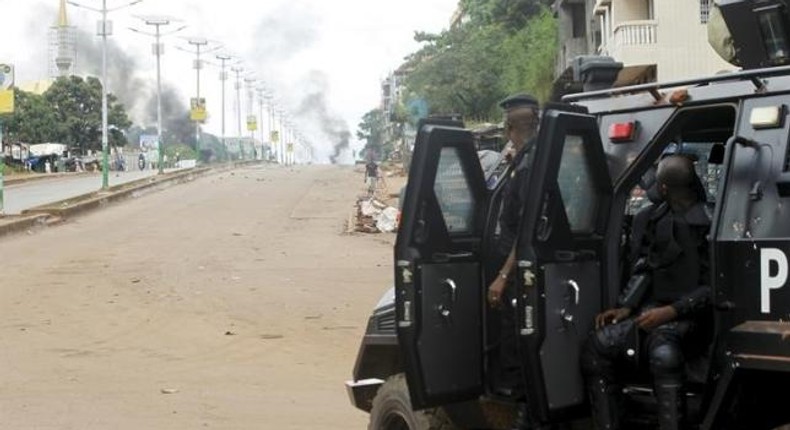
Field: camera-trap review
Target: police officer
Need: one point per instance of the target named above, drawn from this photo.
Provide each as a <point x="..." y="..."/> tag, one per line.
<point x="521" y="124"/>
<point x="664" y="306"/>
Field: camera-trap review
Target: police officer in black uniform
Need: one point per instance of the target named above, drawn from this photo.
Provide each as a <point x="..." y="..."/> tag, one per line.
<point x="665" y="305"/>
<point x="521" y="124"/>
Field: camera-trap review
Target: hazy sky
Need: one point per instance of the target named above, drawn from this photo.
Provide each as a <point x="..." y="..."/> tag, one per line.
<point x="338" y="48"/>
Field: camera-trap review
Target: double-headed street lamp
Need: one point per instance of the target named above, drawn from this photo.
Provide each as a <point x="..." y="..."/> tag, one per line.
<point x="104" y="29"/>
<point x="158" y="49"/>
<point x="250" y="82"/>
<point x="238" y="70"/>
<point x="200" y="47"/>
<point x="223" y="77"/>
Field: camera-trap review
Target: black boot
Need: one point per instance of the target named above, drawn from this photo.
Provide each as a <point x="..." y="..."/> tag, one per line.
<point x="605" y="400"/>
<point x="671" y="405"/>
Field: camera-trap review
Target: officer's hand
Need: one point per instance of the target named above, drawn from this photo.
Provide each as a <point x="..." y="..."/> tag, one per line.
<point x="653" y="318"/>
<point x="495" y="291"/>
<point x="612" y="316"/>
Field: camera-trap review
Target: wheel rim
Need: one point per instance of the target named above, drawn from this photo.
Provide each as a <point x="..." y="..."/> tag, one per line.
<point x="395" y="421"/>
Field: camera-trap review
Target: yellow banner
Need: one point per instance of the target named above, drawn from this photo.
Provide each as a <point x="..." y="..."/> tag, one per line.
<point x="6" y="101"/>
<point x="290" y="147"/>
<point x="252" y="123"/>
<point x="198" y="110"/>
<point x="275" y="136"/>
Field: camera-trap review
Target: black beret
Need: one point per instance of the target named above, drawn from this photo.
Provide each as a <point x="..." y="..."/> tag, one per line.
<point x="519" y="100"/>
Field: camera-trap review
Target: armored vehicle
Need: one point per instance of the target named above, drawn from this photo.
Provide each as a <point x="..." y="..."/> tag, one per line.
<point x="430" y="354"/>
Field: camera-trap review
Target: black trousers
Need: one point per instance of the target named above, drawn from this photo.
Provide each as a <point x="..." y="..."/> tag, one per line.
<point x="624" y="345"/>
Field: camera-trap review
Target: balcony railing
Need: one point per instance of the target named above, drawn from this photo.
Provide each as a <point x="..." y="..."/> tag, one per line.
<point x="635" y="33"/>
<point x="630" y="33"/>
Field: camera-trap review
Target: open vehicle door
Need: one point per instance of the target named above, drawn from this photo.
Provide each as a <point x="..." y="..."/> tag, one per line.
<point x="560" y="258"/>
<point x="438" y="291"/>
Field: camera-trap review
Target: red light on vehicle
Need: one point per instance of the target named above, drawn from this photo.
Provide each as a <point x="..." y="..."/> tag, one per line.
<point x="622" y="132"/>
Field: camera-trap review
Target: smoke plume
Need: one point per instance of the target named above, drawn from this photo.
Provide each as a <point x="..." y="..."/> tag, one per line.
<point x="314" y="109"/>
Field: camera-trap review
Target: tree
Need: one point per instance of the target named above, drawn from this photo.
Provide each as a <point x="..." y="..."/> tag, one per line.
<point x="33" y="120"/>
<point x="531" y="57"/>
<point x="373" y="130"/>
<point x="463" y="74"/>
<point x="77" y="106"/>
<point x="512" y="14"/>
<point x="507" y="46"/>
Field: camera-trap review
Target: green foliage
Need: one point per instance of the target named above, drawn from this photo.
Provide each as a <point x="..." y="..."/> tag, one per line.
<point x="512" y="14"/>
<point x="184" y="152"/>
<point x="463" y="73"/>
<point x="77" y="106"/>
<point x="532" y="50"/>
<point x="33" y="120"/>
<point x="506" y="46"/>
<point x="373" y="130"/>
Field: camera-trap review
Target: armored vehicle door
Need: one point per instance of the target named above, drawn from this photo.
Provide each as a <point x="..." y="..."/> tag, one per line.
<point x="438" y="271"/>
<point x="560" y="258"/>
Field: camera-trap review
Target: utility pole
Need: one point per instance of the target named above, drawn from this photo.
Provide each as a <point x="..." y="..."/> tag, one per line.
<point x="104" y="30"/>
<point x="158" y="50"/>
<point x="238" y="70"/>
<point x="223" y="77"/>
<point x="260" y="92"/>
<point x="250" y="81"/>
<point x="200" y="47"/>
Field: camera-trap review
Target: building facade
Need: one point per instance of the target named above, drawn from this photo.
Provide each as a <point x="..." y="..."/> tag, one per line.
<point x="654" y="39"/>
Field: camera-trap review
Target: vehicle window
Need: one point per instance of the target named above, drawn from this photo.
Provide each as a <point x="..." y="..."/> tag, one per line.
<point x="709" y="174"/>
<point x="454" y="193"/>
<point x="576" y="185"/>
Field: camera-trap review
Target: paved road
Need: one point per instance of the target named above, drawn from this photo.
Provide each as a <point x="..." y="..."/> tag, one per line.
<point x="30" y="194"/>
<point x="231" y="302"/>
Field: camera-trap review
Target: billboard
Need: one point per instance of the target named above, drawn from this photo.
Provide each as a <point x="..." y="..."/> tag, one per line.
<point x="6" y="91"/>
<point x="149" y="142"/>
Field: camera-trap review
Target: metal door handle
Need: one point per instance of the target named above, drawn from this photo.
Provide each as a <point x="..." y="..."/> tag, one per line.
<point x="453" y="289"/>
<point x="576" y="291"/>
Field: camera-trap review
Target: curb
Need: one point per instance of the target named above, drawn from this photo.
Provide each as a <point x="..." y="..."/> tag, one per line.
<point x="9" y="181"/>
<point x="55" y="212"/>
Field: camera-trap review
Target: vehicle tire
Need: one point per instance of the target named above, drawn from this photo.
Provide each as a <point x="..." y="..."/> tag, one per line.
<point x="392" y="410"/>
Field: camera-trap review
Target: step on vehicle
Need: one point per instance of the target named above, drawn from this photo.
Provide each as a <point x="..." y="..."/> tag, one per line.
<point x="428" y="359"/>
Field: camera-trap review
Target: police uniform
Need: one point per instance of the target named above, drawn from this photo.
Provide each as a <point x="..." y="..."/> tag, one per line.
<point x="513" y="199"/>
<point x="672" y="270"/>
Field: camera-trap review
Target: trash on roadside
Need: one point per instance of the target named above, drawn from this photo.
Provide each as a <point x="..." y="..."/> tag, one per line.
<point x="374" y="216"/>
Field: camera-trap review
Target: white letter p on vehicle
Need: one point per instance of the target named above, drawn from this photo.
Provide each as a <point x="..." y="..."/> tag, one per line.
<point x="767" y="281"/>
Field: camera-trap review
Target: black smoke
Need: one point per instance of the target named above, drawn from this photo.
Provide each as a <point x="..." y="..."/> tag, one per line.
<point x="314" y="108"/>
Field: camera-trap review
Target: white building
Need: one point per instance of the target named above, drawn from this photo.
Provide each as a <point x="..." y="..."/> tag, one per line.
<point x="656" y="40"/>
<point x="669" y="34"/>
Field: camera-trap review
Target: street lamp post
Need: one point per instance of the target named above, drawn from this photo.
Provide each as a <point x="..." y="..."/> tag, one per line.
<point x="223" y="77"/>
<point x="104" y="30"/>
<point x="158" y="49"/>
<point x="260" y="93"/>
<point x="250" y="81"/>
<point x="238" y="70"/>
<point x="201" y="47"/>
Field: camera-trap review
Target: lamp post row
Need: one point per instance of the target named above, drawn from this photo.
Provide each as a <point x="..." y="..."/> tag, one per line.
<point x="200" y="47"/>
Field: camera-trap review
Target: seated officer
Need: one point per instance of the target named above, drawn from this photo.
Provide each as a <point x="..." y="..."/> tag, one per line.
<point x="665" y="303"/>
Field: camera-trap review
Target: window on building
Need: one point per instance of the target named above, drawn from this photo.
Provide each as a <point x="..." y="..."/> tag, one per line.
<point x="704" y="10"/>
